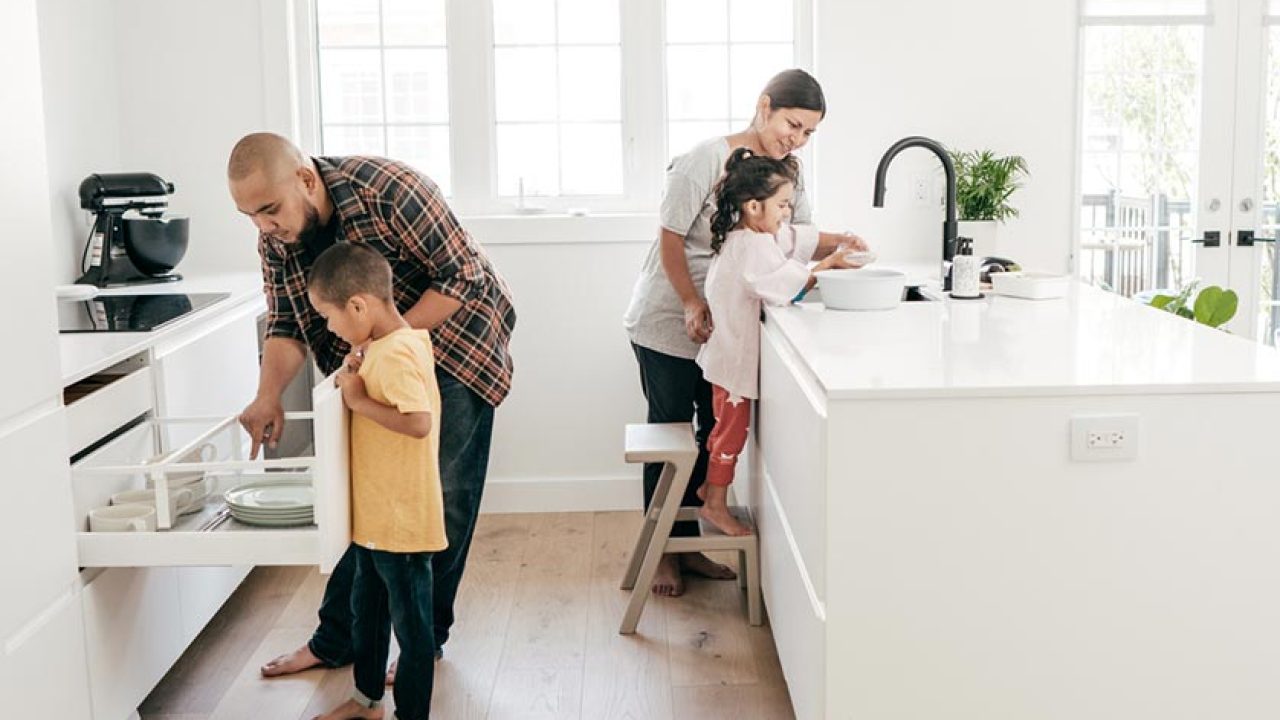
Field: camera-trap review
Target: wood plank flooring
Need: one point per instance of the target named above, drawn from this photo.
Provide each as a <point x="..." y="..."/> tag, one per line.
<point x="536" y="637"/>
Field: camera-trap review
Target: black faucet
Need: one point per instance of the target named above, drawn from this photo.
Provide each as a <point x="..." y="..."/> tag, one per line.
<point x="948" y="225"/>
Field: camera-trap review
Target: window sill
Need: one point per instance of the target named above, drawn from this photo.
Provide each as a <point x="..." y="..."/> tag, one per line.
<point x="560" y="228"/>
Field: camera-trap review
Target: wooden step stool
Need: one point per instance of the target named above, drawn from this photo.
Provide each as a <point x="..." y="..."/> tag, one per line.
<point x="673" y="445"/>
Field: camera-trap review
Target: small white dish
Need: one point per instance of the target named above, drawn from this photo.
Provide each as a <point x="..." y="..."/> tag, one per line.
<point x="860" y="257"/>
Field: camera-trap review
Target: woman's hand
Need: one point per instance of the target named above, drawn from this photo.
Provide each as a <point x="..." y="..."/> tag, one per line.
<point x="697" y="320"/>
<point x="854" y="242"/>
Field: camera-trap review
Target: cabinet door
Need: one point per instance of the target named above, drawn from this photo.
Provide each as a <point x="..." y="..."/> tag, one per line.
<point x="42" y="671"/>
<point x="332" y="476"/>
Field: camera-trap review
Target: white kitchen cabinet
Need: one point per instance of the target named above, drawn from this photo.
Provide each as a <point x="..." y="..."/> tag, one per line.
<point x="37" y="548"/>
<point x="183" y="544"/>
<point x="42" y="671"/>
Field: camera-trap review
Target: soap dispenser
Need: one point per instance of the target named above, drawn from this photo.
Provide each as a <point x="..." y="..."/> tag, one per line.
<point x="964" y="271"/>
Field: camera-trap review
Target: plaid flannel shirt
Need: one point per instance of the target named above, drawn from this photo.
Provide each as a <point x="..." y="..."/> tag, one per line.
<point x="400" y="213"/>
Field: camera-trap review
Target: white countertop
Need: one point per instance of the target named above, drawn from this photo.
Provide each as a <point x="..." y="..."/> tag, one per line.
<point x="83" y="354"/>
<point x="1090" y="342"/>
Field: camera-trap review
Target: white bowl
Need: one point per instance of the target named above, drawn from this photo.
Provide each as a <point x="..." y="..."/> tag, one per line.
<point x="861" y="289"/>
<point x="1030" y="285"/>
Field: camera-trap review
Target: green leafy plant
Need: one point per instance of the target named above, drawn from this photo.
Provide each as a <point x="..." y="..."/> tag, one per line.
<point x="1213" y="306"/>
<point x="984" y="184"/>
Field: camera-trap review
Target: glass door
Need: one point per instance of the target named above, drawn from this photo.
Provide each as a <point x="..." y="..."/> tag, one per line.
<point x="1255" y="270"/>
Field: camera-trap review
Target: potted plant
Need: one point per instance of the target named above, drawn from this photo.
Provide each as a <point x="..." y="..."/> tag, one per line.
<point x="1212" y="306"/>
<point x="984" y="185"/>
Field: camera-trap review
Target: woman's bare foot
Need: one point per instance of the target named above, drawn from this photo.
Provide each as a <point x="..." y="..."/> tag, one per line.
<point x="667" y="581"/>
<point x="723" y="519"/>
<point x="350" y="710"/>
<point x="700" y="564"/>
<point x="290" y="663"/>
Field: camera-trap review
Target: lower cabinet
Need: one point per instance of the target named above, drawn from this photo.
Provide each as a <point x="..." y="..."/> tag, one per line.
<point x="43" y="672"/>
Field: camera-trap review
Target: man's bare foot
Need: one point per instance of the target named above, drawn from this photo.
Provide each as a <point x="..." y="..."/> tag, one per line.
<point x="290" y="663"/>
<point x="667" y="581"/>
<point x="700" y="564"/>
<point x="390" y="679"/>
<point x="720" y="516"/>
<point x="350" y="710"/>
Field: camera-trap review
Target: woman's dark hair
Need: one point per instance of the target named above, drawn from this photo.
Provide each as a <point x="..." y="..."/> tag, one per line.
<point x="747" y="176"/>
<point x="795" y="89"/>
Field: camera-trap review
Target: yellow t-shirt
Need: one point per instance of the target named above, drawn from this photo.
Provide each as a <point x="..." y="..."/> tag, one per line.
<point x="396" y="501"/>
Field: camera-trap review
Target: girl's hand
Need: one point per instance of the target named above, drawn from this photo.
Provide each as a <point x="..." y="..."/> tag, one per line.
<point x="352" y="387"/>
<point x="835" y="261"/>
<point x="697" y="321"/>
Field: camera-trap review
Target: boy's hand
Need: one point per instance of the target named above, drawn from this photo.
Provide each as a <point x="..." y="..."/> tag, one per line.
<point x="354" y="360"/>
<point x="352" y="387"/>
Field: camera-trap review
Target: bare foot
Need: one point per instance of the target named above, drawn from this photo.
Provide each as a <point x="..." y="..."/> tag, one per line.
<point x="700" y="564"/>
<point x="290" y="663"/>
<point x="391" y="673"/>
<point x="701" y="492"/>
<point x="720" y="516"/>
<point x="667" y="581"/>
<point x="351" y="710"/>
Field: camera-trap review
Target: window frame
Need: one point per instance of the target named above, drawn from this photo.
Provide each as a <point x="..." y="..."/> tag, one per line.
<point x="472" y="125"/>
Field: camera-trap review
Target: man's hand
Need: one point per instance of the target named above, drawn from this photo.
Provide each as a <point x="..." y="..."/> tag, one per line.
<point x="352" y="387"/>
<point x="697" y="320"/>
<point x="264" y="421"/>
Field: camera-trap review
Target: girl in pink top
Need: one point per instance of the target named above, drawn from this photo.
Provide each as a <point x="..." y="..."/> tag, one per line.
<point x="750" y="231"/>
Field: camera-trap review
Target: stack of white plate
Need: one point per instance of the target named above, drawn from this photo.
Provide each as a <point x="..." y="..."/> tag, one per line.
<point x="272" y="503"/>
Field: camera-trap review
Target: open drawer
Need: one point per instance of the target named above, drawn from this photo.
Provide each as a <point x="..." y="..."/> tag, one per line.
<point x="165" y="452"/>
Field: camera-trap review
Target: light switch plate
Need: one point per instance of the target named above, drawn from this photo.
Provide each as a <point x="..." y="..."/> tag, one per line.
<point x="1104" y="438"/>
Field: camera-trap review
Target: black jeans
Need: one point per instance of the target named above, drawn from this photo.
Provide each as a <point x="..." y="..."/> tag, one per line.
<point x="392" y="591"/>
<point x="676" y="392"/>
<point x="466" y="428"/>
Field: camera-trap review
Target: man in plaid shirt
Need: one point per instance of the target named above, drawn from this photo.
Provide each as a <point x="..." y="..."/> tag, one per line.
<point x="443" y="281"/>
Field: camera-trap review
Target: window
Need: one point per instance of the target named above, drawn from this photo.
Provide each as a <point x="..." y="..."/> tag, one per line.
<point x="543" y="104"/>
<point x="720" y="54"/>
<point x="384" y="81"/>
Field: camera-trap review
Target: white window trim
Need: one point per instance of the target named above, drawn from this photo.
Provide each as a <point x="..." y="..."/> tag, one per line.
<point x="472" y="128"/>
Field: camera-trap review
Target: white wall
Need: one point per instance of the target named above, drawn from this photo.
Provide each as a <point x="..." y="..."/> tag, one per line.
<point x="82" y="115"/>
<point x="998" y="74"/>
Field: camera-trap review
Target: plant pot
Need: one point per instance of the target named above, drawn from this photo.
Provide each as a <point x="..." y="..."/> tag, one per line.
<point x="983" y="233"/>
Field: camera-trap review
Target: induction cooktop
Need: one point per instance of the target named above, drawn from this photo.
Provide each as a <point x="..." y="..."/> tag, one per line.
<point x="129" y="313"/>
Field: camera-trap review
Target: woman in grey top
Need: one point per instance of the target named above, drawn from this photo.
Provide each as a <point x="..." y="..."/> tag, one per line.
<point x="668" y="318"/>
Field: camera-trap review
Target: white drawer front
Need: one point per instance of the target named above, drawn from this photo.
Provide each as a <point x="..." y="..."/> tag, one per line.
<point x="96" y="415"/>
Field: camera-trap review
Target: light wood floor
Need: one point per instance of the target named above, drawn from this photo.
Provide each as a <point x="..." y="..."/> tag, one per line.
<point x="536" y="637"/>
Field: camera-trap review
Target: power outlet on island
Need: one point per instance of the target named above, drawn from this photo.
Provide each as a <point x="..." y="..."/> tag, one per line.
<point x="1104" y="438"/>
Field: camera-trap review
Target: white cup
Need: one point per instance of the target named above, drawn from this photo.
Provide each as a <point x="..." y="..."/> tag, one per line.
<point x="123" y="518"/>
<point x="206" y="452"/>
<point x="179" y="498"/>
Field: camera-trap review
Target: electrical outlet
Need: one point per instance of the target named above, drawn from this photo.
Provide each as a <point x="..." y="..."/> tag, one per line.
<point x="1104" y="438"/>
<point x="920" y="191"/>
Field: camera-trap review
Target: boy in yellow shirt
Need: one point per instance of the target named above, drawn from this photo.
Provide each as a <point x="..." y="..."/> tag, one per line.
<point x="396" y="499"/>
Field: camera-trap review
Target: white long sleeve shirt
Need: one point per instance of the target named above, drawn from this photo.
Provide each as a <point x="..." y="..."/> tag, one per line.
<point x="752" y="268"/>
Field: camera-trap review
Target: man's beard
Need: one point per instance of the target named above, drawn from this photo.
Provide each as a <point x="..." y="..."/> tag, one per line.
<point x="311" y="226"/>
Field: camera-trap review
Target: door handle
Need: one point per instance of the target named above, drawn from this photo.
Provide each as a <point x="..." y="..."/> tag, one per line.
<point x="1212" y="238"/>
<point x="1246" y="238"/>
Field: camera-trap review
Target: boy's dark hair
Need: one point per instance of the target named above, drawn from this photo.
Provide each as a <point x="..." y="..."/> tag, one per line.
<point x="747" y="176"/>
<point x="795" y="89"/>
<point x="346" y="269"/>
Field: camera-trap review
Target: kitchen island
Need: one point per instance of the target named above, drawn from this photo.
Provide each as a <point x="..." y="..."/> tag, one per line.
<point x="1019" y="509"/>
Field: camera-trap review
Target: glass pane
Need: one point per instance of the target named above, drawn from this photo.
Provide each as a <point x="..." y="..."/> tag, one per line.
<point x="590" y="83"/>
<point x="350" y="86"/>
<point x="755" y="20"/>
<point x="522" y="22"/>
<point x="524" y="83"/>
<point x="424" y="147"/>
<point x="591" y="159"/>
<point x="697" y="21"/>
<point x="413" y="22"/>
<point x="1269" y="220"/>
<point x="1140" y="161"/>
<point x="588" y="21"/>
<point x="683" y="135"/>
<point x="417" y="86"/>
<point x="694" y="88"/>
<point x="342" y="140"/>
<point x="347" y="22"/>
<point x="528" y="157"/>
<point x="750" y="67"/>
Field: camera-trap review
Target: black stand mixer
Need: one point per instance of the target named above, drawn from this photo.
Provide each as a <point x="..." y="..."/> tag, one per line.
<point x="131" y="242"/>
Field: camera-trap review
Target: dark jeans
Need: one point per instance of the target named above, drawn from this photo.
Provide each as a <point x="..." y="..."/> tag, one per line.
<point x="392" y="591"/>
<point x="466" y="427"/>
<point x="676" y="392"/>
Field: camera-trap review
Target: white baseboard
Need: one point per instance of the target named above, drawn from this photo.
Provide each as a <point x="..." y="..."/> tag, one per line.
<point x="523" y="495"/>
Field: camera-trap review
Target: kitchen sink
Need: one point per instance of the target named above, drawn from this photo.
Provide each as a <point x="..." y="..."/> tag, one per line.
<point x="915" y="293"/>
